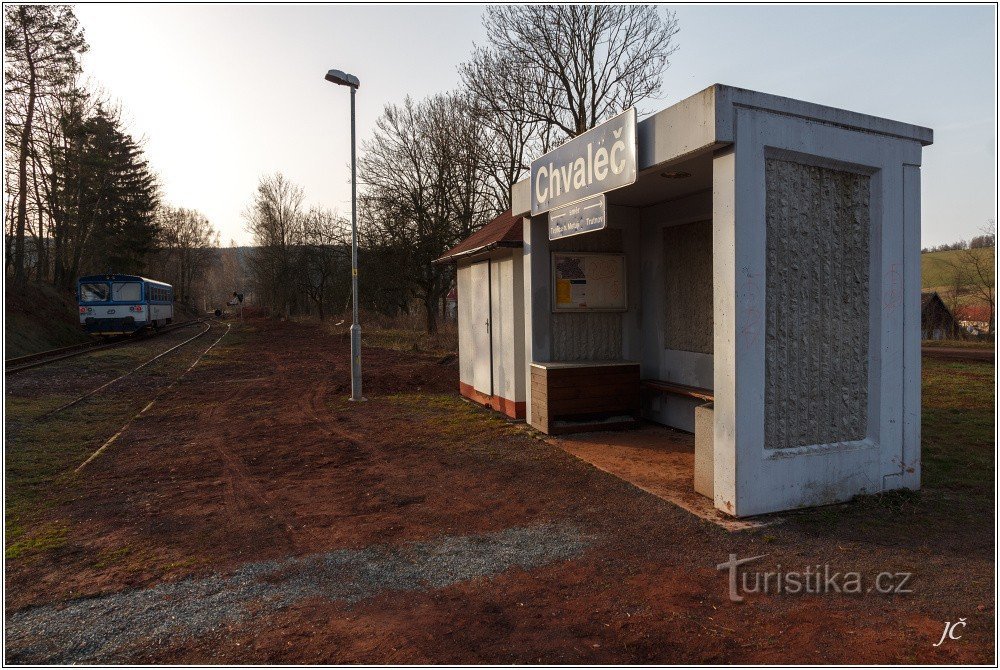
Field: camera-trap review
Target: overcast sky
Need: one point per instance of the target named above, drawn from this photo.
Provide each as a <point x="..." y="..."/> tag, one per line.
<point x="225" y="94"/>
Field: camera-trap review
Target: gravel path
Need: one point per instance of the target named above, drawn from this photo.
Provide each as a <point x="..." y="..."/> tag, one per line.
<point x="105" y="629"/>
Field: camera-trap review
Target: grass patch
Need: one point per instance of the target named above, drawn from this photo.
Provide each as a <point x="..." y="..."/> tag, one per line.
<point x="40" y="457"/>
<point x="936" y="267"/>
<point x="46" y="537"/>
<point x="454" y="419"/>
<point x="958" y="415"/>
<point x="110" y="557"/>
<point x="409" y="340"/>
<point x="28" y="407"/>
<point x="184" y="564"/>
<point x="957" y="459"/>
<point x="47" y="451"/>
<point x="232" y="347"/>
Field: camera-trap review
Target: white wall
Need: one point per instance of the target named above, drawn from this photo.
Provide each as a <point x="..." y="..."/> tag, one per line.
<point x="751" y="477"/>
<point x="508" y="323"/>
<point x="682" y="367"/>
<point x="465" y="352"/>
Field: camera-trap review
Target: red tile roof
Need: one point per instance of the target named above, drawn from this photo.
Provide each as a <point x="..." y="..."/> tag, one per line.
<point x="979" y="313"/>
<point x="503" y="231"/>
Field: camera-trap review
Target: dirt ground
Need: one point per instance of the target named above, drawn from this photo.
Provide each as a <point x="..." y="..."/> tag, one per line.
<point x="254" y="515"/>
<point x="960" y="353"/>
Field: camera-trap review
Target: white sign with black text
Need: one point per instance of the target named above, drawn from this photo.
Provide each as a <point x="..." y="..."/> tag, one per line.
<point x="584" y="216"/>
<point x="597" y="161"/>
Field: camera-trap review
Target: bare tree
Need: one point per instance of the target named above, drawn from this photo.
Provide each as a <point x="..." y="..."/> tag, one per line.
<point x="188" y="247"/>
<point x="424" y="190"/>
<point x="325" y="257"/>
<point x="509" y="139"/>
<point x="979" y="264"/>
<point x="569" y="67"/>
<point x="225" y="276"/>
<point x="971" y="270"/>
<point x="42" y="45"/>
<point x="275" y="221"/>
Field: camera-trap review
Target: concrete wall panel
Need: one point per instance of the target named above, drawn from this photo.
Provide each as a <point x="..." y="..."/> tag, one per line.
<point x="750" y="477"/>
<point x="659" y="362"/>
<point x="687" y="275"/>
<point x="817" y="308"/>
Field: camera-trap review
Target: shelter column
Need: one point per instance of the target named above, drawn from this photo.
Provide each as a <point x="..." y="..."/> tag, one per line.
<point x="730" y="307"/>
<point x="537" y="301"/>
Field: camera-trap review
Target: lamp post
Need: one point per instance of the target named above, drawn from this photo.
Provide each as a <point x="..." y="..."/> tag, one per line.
<point x="343" y="79"/>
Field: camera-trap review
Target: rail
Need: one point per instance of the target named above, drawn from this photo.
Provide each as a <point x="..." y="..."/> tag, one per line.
<point x="95" y="391"/>
<point x="20" y="363"/>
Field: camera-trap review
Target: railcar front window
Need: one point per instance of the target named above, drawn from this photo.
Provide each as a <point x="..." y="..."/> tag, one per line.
<point x="93" y="292"/>
<point x="125" y="291"/>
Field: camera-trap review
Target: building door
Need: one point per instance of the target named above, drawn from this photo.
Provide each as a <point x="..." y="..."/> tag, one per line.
<point x="481" y="326"/>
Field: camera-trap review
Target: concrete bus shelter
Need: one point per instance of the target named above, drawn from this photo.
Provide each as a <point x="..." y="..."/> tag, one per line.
<point x="769" y="255"/>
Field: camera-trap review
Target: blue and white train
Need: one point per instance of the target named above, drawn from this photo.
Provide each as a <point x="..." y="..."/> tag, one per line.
<point x="114" y="304"/>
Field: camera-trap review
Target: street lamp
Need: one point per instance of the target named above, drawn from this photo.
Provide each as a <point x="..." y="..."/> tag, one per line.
<point x="343" y="79"/>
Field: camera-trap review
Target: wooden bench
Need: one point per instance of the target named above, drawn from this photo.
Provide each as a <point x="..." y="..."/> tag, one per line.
<point x="569" y="397"/>
<point x="683" y="390"/>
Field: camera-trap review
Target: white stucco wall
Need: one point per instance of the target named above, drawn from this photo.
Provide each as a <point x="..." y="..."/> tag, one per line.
<point x="465" y="350"/>
<point x="506" y="319"/>
<point x="508" y="324"/>
<point x="658" y="362"/>
<point x="751" y="476"/>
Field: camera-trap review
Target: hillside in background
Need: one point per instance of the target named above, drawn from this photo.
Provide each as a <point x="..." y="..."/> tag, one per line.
<point x="43" y="317"/>
<point x="936" y="270"/>
<point x="39" y="318"/>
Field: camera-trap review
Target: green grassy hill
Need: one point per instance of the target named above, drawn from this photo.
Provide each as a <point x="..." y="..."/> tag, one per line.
<point x="936" y="271"/>
<point x="39" y="318"/>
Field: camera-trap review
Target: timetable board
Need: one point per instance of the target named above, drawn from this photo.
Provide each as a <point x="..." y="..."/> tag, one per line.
<point x="588" y="282"/>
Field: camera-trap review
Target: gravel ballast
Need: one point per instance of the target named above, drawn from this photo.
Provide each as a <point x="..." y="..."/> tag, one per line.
<point x="106" y="629"/>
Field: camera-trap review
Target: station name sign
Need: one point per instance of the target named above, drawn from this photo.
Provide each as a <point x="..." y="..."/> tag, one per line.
<point x="600" y="160"/>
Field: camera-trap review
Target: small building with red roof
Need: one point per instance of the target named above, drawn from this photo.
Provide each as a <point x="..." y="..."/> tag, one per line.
<point x="491" y="314"/>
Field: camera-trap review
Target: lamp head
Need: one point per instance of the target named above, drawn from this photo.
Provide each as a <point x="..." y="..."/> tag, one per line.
<point x="342" y="78"/>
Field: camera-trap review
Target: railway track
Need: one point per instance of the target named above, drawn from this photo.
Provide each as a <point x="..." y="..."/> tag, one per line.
<point x="111" y="440"/>
<point x="14" y="365"/>
<point x="150" y="361"/>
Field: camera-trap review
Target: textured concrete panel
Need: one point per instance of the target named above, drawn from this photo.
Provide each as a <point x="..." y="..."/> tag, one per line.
<point x="817" y="307"/>
<point x="588" y="336"/>
<point x="687" y="303"/>
<point x="578" y="336"/>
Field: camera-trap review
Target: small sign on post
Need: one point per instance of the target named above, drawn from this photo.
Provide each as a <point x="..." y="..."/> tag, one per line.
<point x="585" y="216"/>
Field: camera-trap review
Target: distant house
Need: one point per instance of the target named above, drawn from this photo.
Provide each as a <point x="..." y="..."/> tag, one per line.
<point x="974" y="318"/>
<point x="936" y="320"/>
